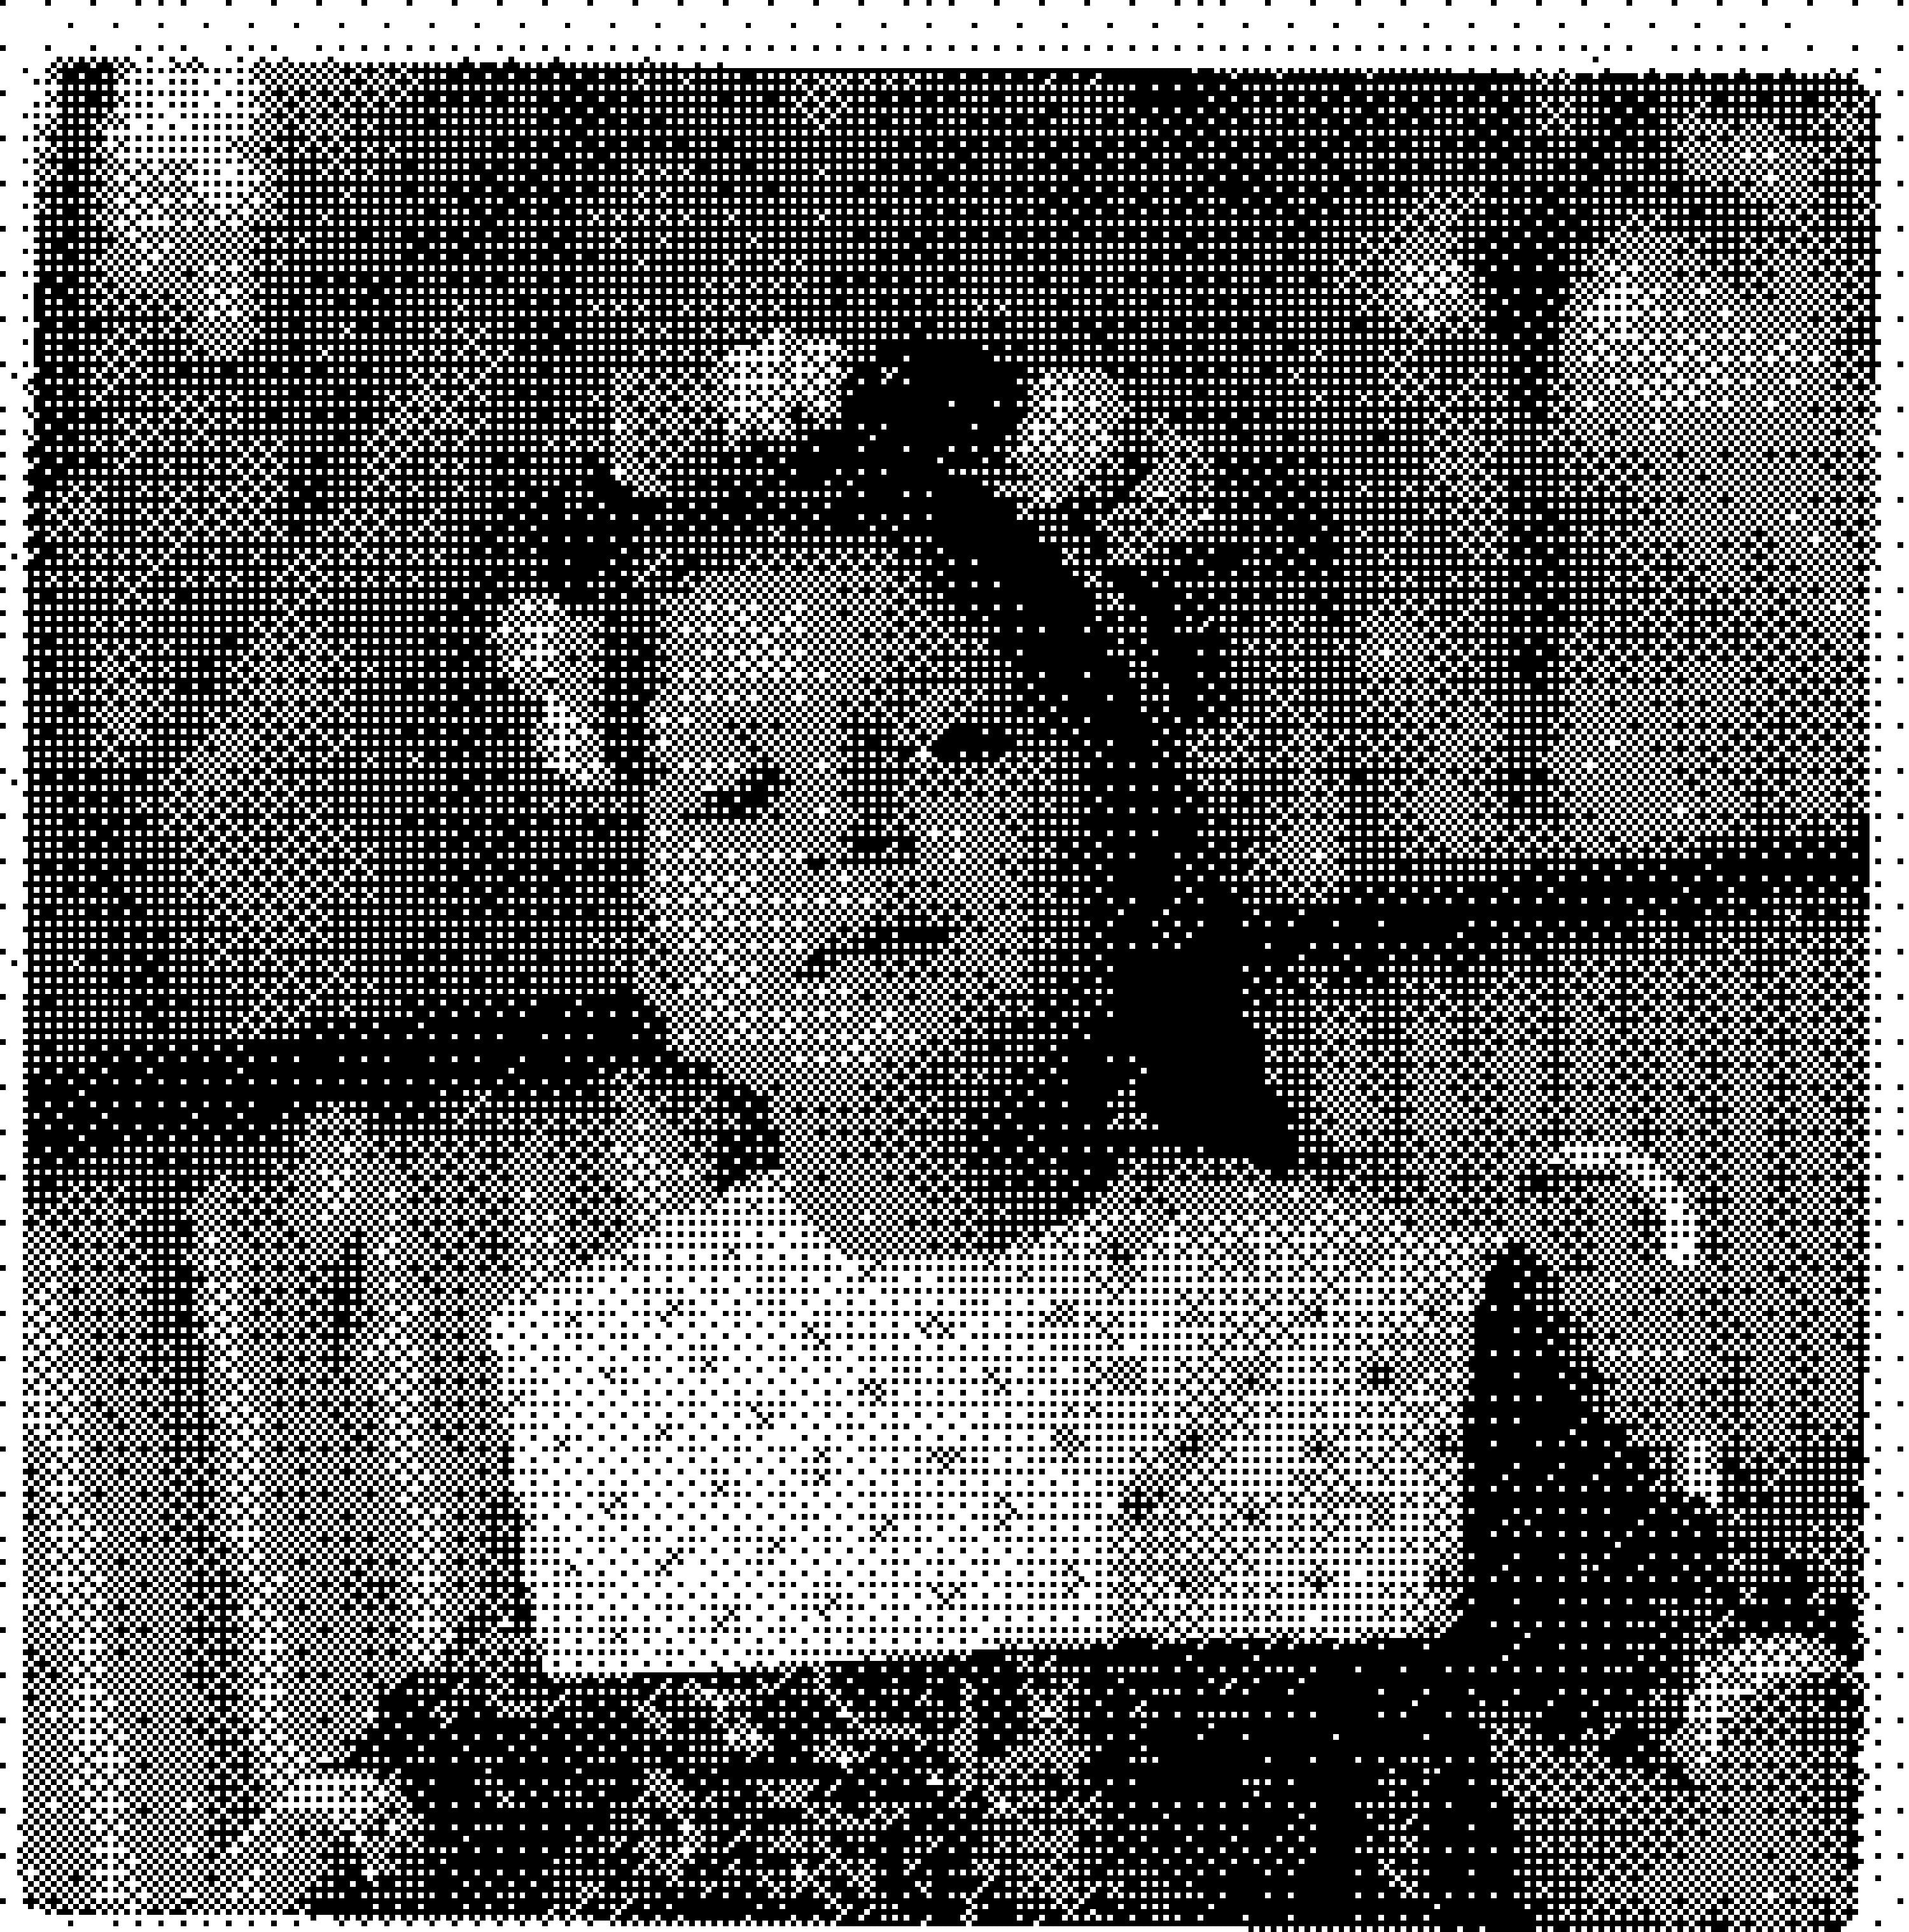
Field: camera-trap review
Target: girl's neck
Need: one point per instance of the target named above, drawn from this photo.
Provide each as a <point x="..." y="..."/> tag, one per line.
<point x="930" y="1167"/>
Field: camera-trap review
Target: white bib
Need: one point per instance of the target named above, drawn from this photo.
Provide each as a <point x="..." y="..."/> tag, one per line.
<point x="1235" y="1415"/>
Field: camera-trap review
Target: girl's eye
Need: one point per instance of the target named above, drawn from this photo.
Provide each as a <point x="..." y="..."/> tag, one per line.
<point x="969" y="742"/>
<point x="748" y="799"/>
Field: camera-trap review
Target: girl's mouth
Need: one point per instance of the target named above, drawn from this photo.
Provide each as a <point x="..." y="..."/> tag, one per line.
<point x="914" y="940"/>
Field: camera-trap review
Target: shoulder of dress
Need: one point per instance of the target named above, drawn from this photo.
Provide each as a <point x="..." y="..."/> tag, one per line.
<point x="1249" y="1234"/>
<point x="537" y="1321"/>
<point x="703" y="1243"/>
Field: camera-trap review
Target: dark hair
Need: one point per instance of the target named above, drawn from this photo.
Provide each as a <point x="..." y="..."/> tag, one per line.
<point x="905" y="464"/>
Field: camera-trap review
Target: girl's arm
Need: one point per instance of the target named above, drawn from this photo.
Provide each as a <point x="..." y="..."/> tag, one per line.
<point x="1595" y="1590"/>
<point x="1662" y="1760"/>
<point x="369" y="1832"/>
<point x="474" y="1210"/>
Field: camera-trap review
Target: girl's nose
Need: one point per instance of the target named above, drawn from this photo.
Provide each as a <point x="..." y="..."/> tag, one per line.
<point x="872" y="822"/>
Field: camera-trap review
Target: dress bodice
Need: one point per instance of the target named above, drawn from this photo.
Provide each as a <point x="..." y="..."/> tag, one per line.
<point x="1296" y="1773"/>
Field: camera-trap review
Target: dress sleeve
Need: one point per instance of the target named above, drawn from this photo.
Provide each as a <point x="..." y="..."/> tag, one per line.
<point x="1592" y="1589"/>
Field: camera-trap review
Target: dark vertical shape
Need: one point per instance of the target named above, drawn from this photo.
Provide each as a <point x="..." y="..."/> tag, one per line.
<point x="65" y="213"/>
<point x="1590" y="1587"/>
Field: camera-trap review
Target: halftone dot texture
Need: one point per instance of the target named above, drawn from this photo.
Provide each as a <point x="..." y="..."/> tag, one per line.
<point x="610" y="644"/>
<point x="1243" y="1423"/>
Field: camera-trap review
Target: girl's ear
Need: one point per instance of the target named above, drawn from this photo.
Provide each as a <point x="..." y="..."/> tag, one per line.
<point x="554" y="655"/>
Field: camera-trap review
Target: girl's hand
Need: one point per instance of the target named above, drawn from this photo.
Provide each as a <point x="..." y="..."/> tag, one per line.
<point x="327" y="1828"/>
<point x="1747" y="1819"/>
<point x="285" y="1861"/>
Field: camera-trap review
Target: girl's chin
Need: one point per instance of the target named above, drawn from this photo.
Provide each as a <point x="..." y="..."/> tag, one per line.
<point x="811" y="1064"/>
<point x="860" y="1048"/>
<point x="926" y="1071"/>
<point x="859" y="1036"/>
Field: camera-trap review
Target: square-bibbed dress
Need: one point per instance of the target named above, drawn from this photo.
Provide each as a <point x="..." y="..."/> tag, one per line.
<point x="1165" y="1569"/>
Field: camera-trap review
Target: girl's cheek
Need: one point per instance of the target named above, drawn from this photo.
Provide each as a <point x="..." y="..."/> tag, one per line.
<point x="1030" y="875"/>
<point x="983" y="839"/>
<point x="718" y="919"/>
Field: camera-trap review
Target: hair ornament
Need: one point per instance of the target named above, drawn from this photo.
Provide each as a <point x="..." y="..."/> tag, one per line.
<point x="776" y="389"/>
<point x="1073" y="443"/>
<point x="1111" y="493"/>
<point x="1106" y="487"/>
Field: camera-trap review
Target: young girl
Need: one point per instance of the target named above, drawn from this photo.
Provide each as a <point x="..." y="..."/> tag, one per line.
<point x="1025" y="1498"/>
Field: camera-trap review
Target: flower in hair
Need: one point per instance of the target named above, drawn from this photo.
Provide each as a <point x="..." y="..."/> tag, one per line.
<point x="775" y="390"/>
<point x="1103" y="483"/>
<point x="662" y="420"/>
<point x="1113" y="494"/>
<point x="1073" y="442"/>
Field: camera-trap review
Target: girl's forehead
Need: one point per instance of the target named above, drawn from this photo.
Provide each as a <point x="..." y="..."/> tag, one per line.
<point x="787" y="631"/>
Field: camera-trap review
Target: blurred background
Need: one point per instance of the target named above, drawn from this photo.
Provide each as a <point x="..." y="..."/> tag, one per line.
<point x="1531" y="634"/>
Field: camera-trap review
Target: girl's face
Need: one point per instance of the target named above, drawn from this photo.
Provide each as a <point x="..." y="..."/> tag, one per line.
<point x="867" y="846"/>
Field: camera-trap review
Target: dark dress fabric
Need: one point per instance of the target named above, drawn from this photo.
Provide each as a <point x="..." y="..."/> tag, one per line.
<point x="1141" y="1783"/>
